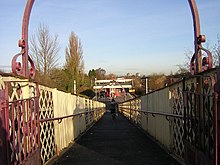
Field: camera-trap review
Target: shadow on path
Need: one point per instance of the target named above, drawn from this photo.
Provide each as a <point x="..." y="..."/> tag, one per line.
<point x="115" y="142"/>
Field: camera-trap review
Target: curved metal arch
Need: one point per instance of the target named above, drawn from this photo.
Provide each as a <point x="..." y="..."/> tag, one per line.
<point x="17" y="67"/>
<point x="197" y="64"/>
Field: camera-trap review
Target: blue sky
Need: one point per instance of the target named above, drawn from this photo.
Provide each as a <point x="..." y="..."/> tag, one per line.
<point x="120" y="36"/>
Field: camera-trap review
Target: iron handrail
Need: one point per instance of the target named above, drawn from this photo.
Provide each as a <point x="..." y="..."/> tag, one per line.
<point x="132" y="99"/>
<point x="20" y="100"/>
<point x="155" y="113"/>
<point x="68" y="116"/>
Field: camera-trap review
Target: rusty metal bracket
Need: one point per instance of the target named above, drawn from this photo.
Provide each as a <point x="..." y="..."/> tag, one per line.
<point x="153" y="114"/>
<point x="19" y="68"/>
<point x="167" y="118"/>
<point x="206" y="62"/>
<point x="59" y="121"/>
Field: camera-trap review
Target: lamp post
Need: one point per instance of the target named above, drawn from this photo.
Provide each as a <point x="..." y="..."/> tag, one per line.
<point x="145" y="82"/>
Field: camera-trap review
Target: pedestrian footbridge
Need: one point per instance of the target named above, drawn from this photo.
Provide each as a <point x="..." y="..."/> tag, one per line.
<point x="177" y="124"/>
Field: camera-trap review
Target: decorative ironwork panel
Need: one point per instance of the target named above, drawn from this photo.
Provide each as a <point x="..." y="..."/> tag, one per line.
<point x="132" y="112"/>
<point x="178" y="129"/>
<point x="4" y="130"/>
<point x="190" y="103"/>
<point x="137" y="113"/>
<point x="207" y="130"/>
<point x="138" y="101"/>
<point x="91" y="113"/>
<point x="23" y="121"/>
<point x="87" y="108"/>
<point x="199" y="117"/>
<point x="123" y="108"/>
<point x="47" y="128"/>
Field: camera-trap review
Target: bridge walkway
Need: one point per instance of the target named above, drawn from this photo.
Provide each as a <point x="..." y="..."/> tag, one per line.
<point x="115" y="142"/>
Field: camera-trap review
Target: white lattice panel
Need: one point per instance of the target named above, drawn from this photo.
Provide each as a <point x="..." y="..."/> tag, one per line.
<point x="47" y="128"/>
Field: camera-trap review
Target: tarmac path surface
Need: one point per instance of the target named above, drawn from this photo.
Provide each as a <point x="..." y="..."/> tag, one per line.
<point x="115" y="142"/>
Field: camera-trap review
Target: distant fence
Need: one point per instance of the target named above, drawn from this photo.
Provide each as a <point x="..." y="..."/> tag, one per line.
<point x="61" y="117"/>
<point x="180" y="116"/>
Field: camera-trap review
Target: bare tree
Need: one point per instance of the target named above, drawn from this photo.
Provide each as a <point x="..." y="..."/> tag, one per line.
<point x="110" y="76"/>
<point x="74" y="65"/>
<point x="44" y="50"/>
<point x="216" y="52"/>
<point x="100" y="73"/>
<point x="184" y="68"/>
<point x="156" y="81"/>
<point x="59" y="79"/>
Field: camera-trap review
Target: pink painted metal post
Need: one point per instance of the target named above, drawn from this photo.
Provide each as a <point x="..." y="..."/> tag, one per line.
<point x="217" y="118"/>
<point x="4" y="129"/>
<point x="17" y="67"/>
<point x="198" y="64"/>
<point x="20" y="123"/>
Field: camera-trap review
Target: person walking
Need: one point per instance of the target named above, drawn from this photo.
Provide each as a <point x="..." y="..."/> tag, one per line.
<point x="113" y="108"/>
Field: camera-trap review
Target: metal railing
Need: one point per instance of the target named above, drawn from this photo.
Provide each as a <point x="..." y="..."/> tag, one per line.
<point x="183" y="117"/>
<point x="62" y="124"/>
<point x="122" y="109"/>
<point x="38" y="122"/>
<point x="68" y="116"/>
<point x="158" y="123"/>
<point x="63" y="118"/>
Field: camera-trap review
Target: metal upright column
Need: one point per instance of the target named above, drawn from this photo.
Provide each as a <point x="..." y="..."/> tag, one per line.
<point x="199" y="62"/>
<point x="217" y="115"/>
<point x="4" y="127"/>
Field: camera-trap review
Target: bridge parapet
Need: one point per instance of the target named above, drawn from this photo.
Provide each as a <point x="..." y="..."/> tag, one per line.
<point x="181" y="117"/>
<point x="39" y="122"/>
